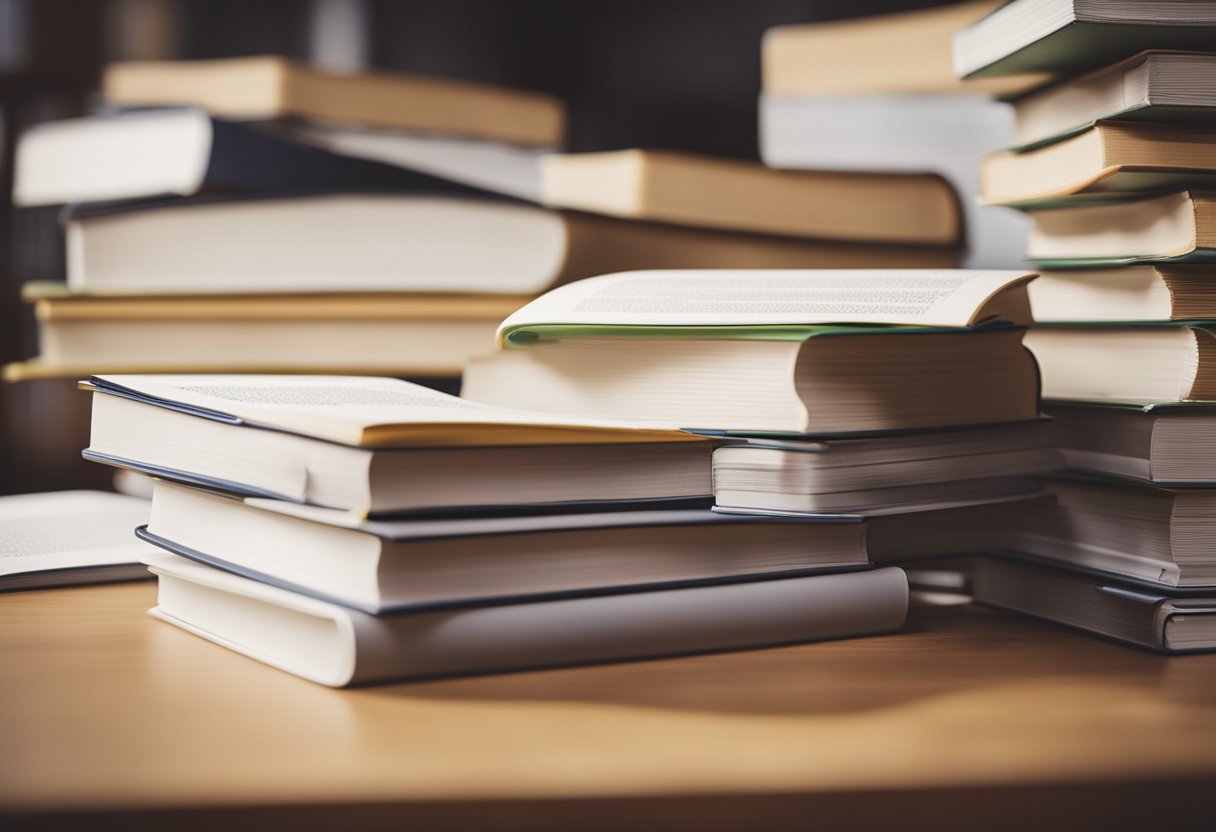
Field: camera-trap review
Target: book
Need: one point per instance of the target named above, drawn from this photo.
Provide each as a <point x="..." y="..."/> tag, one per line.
<point x="71" y="537"/>
<point x="416" y="242"/>
<point x="1161" y="445"/>
<point x="384" y="565"/>
<point x="185" y="152"/>
<point x="707" y="192"/>
<point x="885" y="53"/>
<point x="1105" y="161"/>
<point x="417" y="335"/>
<point x="807" y="353"/>
<point x="1125" y="293"/>
<point x="861" y="475"/>
<point x="1173" y="227"/>
<point x="941" y="132"/>
<point x="338" y="646"/>
<point x="269" y="87"/>
<point x="156" y="435"/>
<point x="1153" y="86"/>
<point x="1125" y="612"/>
<point x="1126" y="364"/>
<point x="1068" y="36"/>
<point x="1147" y="532"/>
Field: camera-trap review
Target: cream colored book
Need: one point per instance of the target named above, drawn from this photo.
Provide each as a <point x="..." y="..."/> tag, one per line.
<point x="266" y="87"/>
<point x="1124" y="293"/>
<point x="1108" y="159"/>
<point x="702" y="191"/>
<point x="905" y="52"/>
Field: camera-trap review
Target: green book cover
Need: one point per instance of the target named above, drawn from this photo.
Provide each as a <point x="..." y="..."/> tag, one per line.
<point x="1199" y="255"/>
<point x="526" y="334"/>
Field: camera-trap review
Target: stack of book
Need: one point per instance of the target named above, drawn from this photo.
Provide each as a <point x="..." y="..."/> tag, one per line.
<point x="1112" y="166"/>
<point x="902" y="400"/>
<point x="250" y="214"/>
<point x="354" y="530"/>
<point x="878" y="93"/>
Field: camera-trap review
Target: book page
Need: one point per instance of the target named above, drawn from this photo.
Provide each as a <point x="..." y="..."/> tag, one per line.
<point x="66" y="529"/>
<point x="779" y="297"/>
<point x="351" y="409"/>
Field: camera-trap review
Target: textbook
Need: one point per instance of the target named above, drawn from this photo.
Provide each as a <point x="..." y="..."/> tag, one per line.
<point x="1153" y="86"/>
<point x="338" y="646"/>
<point x="270" y="87"/>
<point x="1067" y="36"/>
<point x="1160" y="445"/>
<point x="1105" y="161"/>
<point x="883" y="53"/>
<point x="186" y="152"/>
<point x="156" y="434"/>
<point x="860" y="475"/>
<point x="1175" y="227"/>
<point x="366" y="412"/>
<point x="1125" y="611"/>
<point x="415" y="242"/>
<point x="1124" y="294"/>
<point x="71" y="537"/>
<point x="707" y="192"/>
<point x="383" y="565"/>
<point x="800" y="352"/>
<point x="1151" y="533"/>
<point x="1126" y="363"/>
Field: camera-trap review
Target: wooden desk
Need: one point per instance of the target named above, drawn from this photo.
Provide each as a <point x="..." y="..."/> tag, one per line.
<point x="970" y="717"/>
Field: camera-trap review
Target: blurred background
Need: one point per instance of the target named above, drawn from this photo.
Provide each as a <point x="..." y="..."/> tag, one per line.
<point x="678" y="74"/>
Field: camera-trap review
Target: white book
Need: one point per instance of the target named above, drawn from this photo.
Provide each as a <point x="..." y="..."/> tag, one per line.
<point x="71" y="537"/>
<point x="337" y="646"/>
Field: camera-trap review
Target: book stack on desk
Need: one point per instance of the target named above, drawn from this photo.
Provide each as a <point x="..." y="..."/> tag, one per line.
<point x="1113" y="165"/>
<point x="362" y="529"/>
<point x="903" y="399"/>
<point x="254" y="215"/>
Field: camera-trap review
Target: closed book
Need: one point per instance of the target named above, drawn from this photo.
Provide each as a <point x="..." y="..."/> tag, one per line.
<point x="1123" y="611"/>
<point x="811" y="352"/>
<point x="1068" y="36"/>
<point x="1148" y="292"/>
<point x="337" y="646"/>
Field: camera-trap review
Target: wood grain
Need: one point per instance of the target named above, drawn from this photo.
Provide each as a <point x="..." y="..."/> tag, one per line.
<point x="105" y="709"/>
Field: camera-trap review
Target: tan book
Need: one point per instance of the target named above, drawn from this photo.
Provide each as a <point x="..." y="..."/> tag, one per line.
<point x="1108" y="159"/>
<point x="689" y="190"/>
<point x="1124" y="293"/>
<point x="1174" y="227"/>
<point x="907" y="52"/>
<point x="272" y="87"/>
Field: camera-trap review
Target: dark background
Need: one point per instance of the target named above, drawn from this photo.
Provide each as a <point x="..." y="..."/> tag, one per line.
<point x="680" y="74"/>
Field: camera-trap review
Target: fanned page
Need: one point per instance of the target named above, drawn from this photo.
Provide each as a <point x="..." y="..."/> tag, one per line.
<point x="753" y="300"/>
<point x="368" y="411"/>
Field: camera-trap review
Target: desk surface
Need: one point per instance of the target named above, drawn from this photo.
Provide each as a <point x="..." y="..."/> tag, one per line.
<point x="969" y="715"/>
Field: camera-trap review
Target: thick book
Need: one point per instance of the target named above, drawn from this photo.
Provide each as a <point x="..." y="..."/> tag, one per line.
<point x="414" y="335"/>
<point x="408" y="242"/>
<point x="1126" y="363"/>
<point x="1153" y="86"/>
<point x="1135" y="530"/>
<point x="1126" y="612"/>
<point x="860" y="475"/>
<point x="268" y="87"/>
<point x="338" y="646"/>
<point x="383" y="565"/>
<point x="1109" y="160"/>
<point x="1068" y="36"/>
<point x="1177" y="227"/>
<point x="884" y="53"/>
<point x="801" y="352"/>
<point x="943" y="132"/>
<point x="1167" y="292"/>
<point x="731" y="195"/>
<point x="155" y="434"/>
<point x="71" y="537"/>
<point x="185" y="152"/>
<point x="1159" y="445"/>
